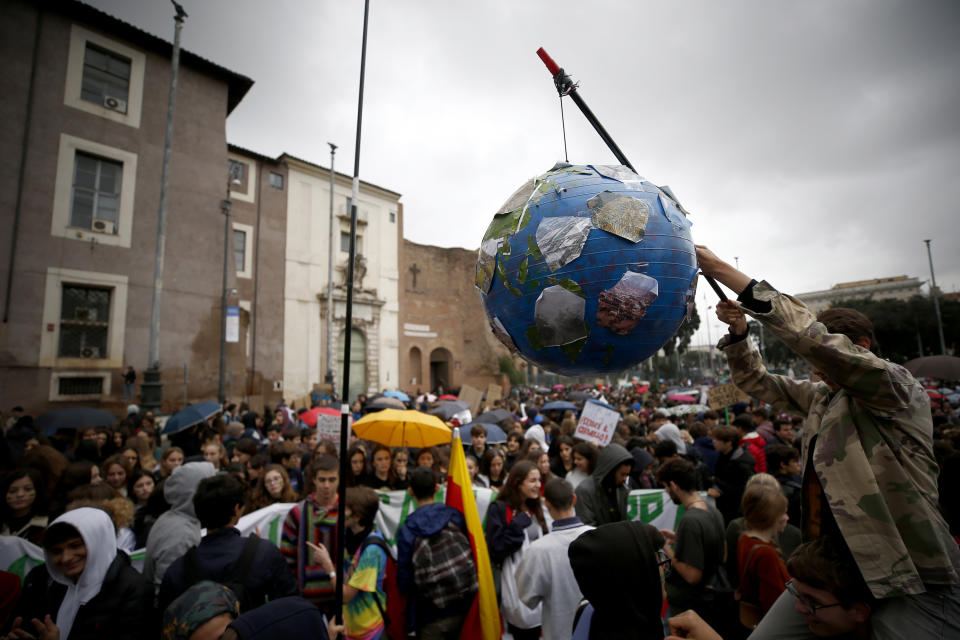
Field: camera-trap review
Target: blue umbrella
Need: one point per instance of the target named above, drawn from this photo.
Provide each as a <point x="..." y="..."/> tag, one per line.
<point x="399" y="395"/>
<point x="74" y="418"/>
<point x="559" y="405"/>
<point x="194" y="414"/>
<point x="495" y="434"/>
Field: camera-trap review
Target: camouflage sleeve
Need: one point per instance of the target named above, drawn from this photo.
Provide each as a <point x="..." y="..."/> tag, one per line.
<point x="858" y="371"/>
<point x="752" y="378"/>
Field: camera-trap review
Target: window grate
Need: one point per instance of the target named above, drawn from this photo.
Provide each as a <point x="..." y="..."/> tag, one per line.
<point x="84" y="322"/>
<point x="77" y="386"/>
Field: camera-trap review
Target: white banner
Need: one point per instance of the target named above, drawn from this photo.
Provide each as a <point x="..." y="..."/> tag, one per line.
<point x="597" y="423"/>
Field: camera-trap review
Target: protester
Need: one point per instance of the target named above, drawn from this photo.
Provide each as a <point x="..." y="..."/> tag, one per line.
<point x="783" y="461"/>
<point x="478" y="441"/>
<point x="23" y="512"/>
<point x="493" y="468"/>
<point x="116" y="470"/>
<point x="561" y="456"/>
<point x="380" y="478"/>
<point x="357" y="457"/>
<point x="762" y="573"/>
<point x="602" y="498"/>
<point x="753" y="441"/>
<point x="544" y="574"/>
<point x="514" y="441"/>
<point x="272" y="487"/>
<point x="140" y="486"/>
<point x="216" y="454"/>
<point x="442" y="593"/>
<point x="205" y="610"/>
<point x="169" y="460"/>
<point x="585" y="457"/>
<point x="86" y="589"/>
<point x="734" y="467"/>
<point x="399" y="466"/>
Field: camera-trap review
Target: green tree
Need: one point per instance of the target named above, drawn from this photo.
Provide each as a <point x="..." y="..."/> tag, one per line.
<point x="681" y="339"/>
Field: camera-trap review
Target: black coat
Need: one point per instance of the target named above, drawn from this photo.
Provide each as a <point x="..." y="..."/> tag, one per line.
<point x="733" y="471"/>
<point x="123" y="610"/>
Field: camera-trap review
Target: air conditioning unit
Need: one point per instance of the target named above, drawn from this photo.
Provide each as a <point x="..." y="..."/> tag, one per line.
<point x="90" y="352"/>
<point x="115" y="104"/>
<point x="104" y="226"/>
<point x="87" y="314"/>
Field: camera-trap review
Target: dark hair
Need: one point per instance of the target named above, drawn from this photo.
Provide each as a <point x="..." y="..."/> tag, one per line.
<point x="59" y="532"/>
<point x="779" y="454"/>
<point x="423" y="482"/>
<point x="850" y="323"/>
<point x="290" y="433"/>
<point x="487" y="460"/>
<point x="679" y="471"/>
<point x="744" y="421"/>
<point x="247" y="446"/>
<point x="39" y="505"/>
<point x="760" y="412"/>
<point x="726" y="433"/>
<point x="559" y="494"/>
<point x="515" y="435"/>
<point x="280" y="450"/>
<point x="432" y="451"/>
<point x="589" y="452"/>
<point x="697" y="430"/>
<point x="258" y="461"/>
<point x="322" y="462"/>
<point x="132" y="480"/>
<point x="260" y="497"/>
<point x="779" y="421"/>
<point x="665" y="449"/>
<point x="711" y="415"/>
<point x="478" y="430"/>
<point x="826" y="563"/>
<point x="510" y="493"/>
<point x="364" y="503"/>
<point x="215" y="500"/>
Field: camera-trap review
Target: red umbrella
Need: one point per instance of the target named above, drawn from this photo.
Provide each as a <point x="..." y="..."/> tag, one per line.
<point x="310" y="417"/>
<point x="936" y="395"/>
<point x="678" y="397"/>
<point x="447" y="397"/>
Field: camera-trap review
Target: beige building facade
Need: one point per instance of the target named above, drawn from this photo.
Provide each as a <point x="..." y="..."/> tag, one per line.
<point x="896" y="288"/>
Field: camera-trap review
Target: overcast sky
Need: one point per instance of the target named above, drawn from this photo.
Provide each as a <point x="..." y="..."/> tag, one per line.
<point x="818" y="141"/>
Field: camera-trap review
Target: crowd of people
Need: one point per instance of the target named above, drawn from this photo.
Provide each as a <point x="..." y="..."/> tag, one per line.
<point x="813" y="511"/>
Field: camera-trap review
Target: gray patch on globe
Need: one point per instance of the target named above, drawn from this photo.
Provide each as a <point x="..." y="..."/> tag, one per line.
<point x="519" y="198"/>
<point x="561" y="240"/>
<point x="618" y="172"/>
<point x="501" y="332"/>
<point x="673" y="213"/>
<point x="621" y="308"/>
<point x="487" y="264"/>
<point x="620" y="215"/>
<point x="559" y="316"/>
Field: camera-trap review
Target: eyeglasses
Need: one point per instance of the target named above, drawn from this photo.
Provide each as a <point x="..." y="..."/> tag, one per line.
<point x="807" y="604"/>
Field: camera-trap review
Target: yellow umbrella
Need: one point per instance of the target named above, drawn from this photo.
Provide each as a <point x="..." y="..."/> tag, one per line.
<point x="396" y="428"/>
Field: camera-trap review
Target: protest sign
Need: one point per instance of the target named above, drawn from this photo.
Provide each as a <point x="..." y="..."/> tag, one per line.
<point x="328" y="428"/>
<point x="725" y="395"/>
<point x="597" y="423"/>
<point x="494" y="392"/>
<point x="472" y="397"/>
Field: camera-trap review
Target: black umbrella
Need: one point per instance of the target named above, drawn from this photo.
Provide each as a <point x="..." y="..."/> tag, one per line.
<point x="495" y="416"/>
<point x="74" y="418"/>
<point x="447" y="410"/>
<point x="939" y="367"/>
<point x="384" y="402"/>
<point x="577" y="396"/>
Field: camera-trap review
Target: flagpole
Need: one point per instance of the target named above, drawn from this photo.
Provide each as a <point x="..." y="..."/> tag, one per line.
<point x="348" y="330"/>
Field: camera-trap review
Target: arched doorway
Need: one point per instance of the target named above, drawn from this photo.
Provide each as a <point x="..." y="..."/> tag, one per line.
<point x="440" y="369"/>
<point x="358" y="364"/>
<point x="416" y="375"/>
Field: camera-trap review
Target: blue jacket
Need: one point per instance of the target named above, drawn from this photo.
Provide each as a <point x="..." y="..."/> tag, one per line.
<point x="708" y="452"/>
<point x="422" y="523"/>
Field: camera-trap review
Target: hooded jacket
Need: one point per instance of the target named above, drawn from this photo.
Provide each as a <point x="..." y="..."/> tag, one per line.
<point x="536" y="433"/>
<point x="602" y="559"/>
<point x="422" y="523"/>
<point x="595" y="503"/>
<point x="178" y="529"/>
<point x="109" y="600"/>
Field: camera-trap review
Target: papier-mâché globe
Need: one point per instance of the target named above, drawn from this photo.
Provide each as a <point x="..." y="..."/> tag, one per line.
<point x="587" y="269"/>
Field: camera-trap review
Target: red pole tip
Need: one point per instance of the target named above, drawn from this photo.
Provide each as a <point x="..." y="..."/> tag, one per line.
<point x="552" y="66"/>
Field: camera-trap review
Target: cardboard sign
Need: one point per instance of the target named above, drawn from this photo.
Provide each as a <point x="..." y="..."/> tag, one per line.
<point x="494" y="392"/>
<point x="597" y="423"/>
<point x="328" y="428"/>
<point x="472" y="397"/>
<point x="725" y="395"/>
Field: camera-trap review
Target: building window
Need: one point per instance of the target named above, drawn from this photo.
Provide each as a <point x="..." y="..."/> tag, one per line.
<point x="242" y="175"/>
<point x="80" y="386"/>
<point x="345" y="243"/>
<point x="96" y="193"/>
<point x="84" y="322"/>
<point x="240" y="249"/>
<point x="106" y="78"/>
<point x="276" y="180"/>
<point x="236" y="170"/>
<point x="393" y="217"/>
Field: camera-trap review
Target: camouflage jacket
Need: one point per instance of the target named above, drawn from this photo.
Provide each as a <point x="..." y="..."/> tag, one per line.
<point x="874" y="451"/>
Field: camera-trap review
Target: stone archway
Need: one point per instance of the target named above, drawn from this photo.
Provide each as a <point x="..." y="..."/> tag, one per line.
<point x="416" y="366"/>
<point x="440" y="370"/>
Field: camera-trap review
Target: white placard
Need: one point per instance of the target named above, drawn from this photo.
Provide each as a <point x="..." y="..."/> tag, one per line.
<point x="328" y="428"/>
<point x="233" y="324"/>
<point x="597" y="423"/>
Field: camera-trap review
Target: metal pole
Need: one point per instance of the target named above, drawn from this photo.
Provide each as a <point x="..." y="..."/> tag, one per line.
<point x="330" y="252"/>
<point x="709" y="339"/>
<point x="153" y="394"/>
<point x="348" y="326"/>
<point x="184" y="384"/>
<point x="935" y="294"/>
<point x="225" y="207"/>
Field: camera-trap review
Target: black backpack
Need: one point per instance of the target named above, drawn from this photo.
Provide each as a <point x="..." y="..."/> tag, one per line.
<point x="444" y="571"/>
<point x="234" y="580"/>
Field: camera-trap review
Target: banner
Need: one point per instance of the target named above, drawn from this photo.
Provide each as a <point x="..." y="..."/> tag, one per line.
<point x="597" y="423"/>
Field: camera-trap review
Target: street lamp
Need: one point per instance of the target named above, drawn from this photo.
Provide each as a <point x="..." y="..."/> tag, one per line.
<point x="935" y="294"/>
<point x="233" y="178"/>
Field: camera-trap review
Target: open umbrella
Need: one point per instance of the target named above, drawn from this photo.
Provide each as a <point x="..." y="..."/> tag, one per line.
<point x="74" y="418"/>
<point x="399" y="395"/>
<point x="384" y="402"/>
<point x="681" y="397"/>
<point x="396" y="428"/>
<point x="189" y="416"/>
<point x="446" y="410"/>
<point x="577" y="396"/>
<point x="939" y="367"/>
<point x="494" y="415"/>
<point x="559" y="405"/>
<point x="309" y="416"/>
<point x="447" y="396"/>
<point x="495" y="435"/>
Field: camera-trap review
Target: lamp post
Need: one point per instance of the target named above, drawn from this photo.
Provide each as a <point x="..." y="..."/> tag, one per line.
<point x="233" y="177"/>
<point x="329" y="376"/>
<point x="935" y="294"/>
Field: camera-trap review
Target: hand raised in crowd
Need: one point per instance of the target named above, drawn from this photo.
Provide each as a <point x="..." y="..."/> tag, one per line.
<point x="730" y="313"/>
<point x="690" y="625"/>
<point x="45" y="630"/>
<point x="322" y="557"/>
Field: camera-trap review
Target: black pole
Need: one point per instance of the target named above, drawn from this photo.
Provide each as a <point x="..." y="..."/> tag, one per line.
<point x="567" y="87"/>
<point x="348" y="329"/>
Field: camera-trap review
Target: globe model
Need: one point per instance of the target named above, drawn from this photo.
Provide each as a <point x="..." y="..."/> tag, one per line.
<point x="587" y="269"/>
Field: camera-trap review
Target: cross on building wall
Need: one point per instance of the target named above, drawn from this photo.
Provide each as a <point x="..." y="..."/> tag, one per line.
<point x="415" y="271"/>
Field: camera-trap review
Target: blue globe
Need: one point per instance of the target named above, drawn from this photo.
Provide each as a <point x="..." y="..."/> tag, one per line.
<point x="587" y="269"/>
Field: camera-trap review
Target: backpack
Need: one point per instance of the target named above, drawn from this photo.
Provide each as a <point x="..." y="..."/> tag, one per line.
<point x="444" y="571"/>
<point x="395" y="613"/>
<point x="233" y="580"/>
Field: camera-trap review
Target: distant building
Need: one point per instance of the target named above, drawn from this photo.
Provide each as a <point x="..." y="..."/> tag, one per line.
<point x="895" y="288"/>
